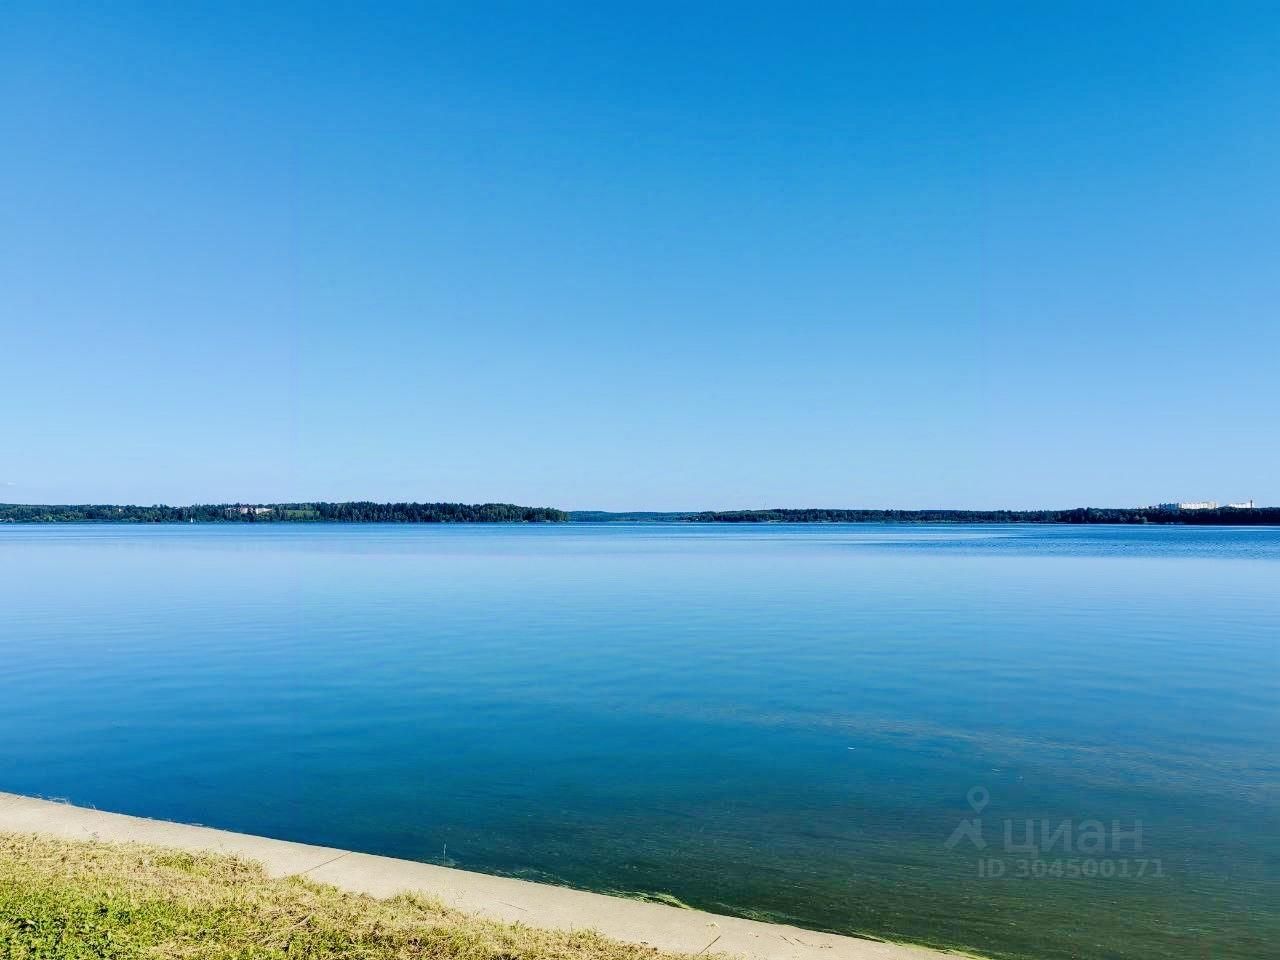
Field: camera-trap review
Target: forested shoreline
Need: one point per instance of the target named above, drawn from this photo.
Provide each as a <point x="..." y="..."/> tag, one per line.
<point x="320" y="512"/>
<point x="365" y="511"/>
<point x="1228" y="516"/>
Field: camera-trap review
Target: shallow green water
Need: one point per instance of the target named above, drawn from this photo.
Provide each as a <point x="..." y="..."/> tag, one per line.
<point x="783" y="722"/>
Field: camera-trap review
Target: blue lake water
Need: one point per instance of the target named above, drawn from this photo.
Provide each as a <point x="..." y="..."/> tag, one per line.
<point x="786" y="722"/>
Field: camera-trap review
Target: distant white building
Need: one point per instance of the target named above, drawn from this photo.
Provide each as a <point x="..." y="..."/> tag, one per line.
<point x="1247" y="505"/>
<point x="1191" y="505"/>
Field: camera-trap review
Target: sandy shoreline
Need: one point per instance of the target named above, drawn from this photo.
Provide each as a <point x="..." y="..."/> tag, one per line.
<point x="499" y="898"/>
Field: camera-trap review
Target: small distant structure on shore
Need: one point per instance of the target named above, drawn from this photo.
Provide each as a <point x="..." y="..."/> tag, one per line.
<point x="243" y="509"/>
<point x="1203" y="505"/>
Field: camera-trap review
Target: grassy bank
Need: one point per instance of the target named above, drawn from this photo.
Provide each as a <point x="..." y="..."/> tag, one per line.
<point x="75" y="900"/>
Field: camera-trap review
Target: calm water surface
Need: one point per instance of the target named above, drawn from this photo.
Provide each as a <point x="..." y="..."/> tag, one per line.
<point x="783" y="722"/>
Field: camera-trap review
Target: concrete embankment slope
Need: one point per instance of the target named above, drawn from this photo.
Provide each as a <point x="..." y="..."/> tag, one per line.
<point x="500" y="898"/>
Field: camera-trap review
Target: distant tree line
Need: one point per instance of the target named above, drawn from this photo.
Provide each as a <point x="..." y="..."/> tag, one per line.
<point x="1221" y="515"/>
<point x="358" y="512"/>
<point x="365" y="511"/>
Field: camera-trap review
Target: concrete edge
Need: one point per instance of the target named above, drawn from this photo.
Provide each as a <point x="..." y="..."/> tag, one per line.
<point x="498" y="898"/>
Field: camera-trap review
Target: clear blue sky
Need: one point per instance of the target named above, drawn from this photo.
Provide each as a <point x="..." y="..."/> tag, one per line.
<point x="640" y="256"/>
